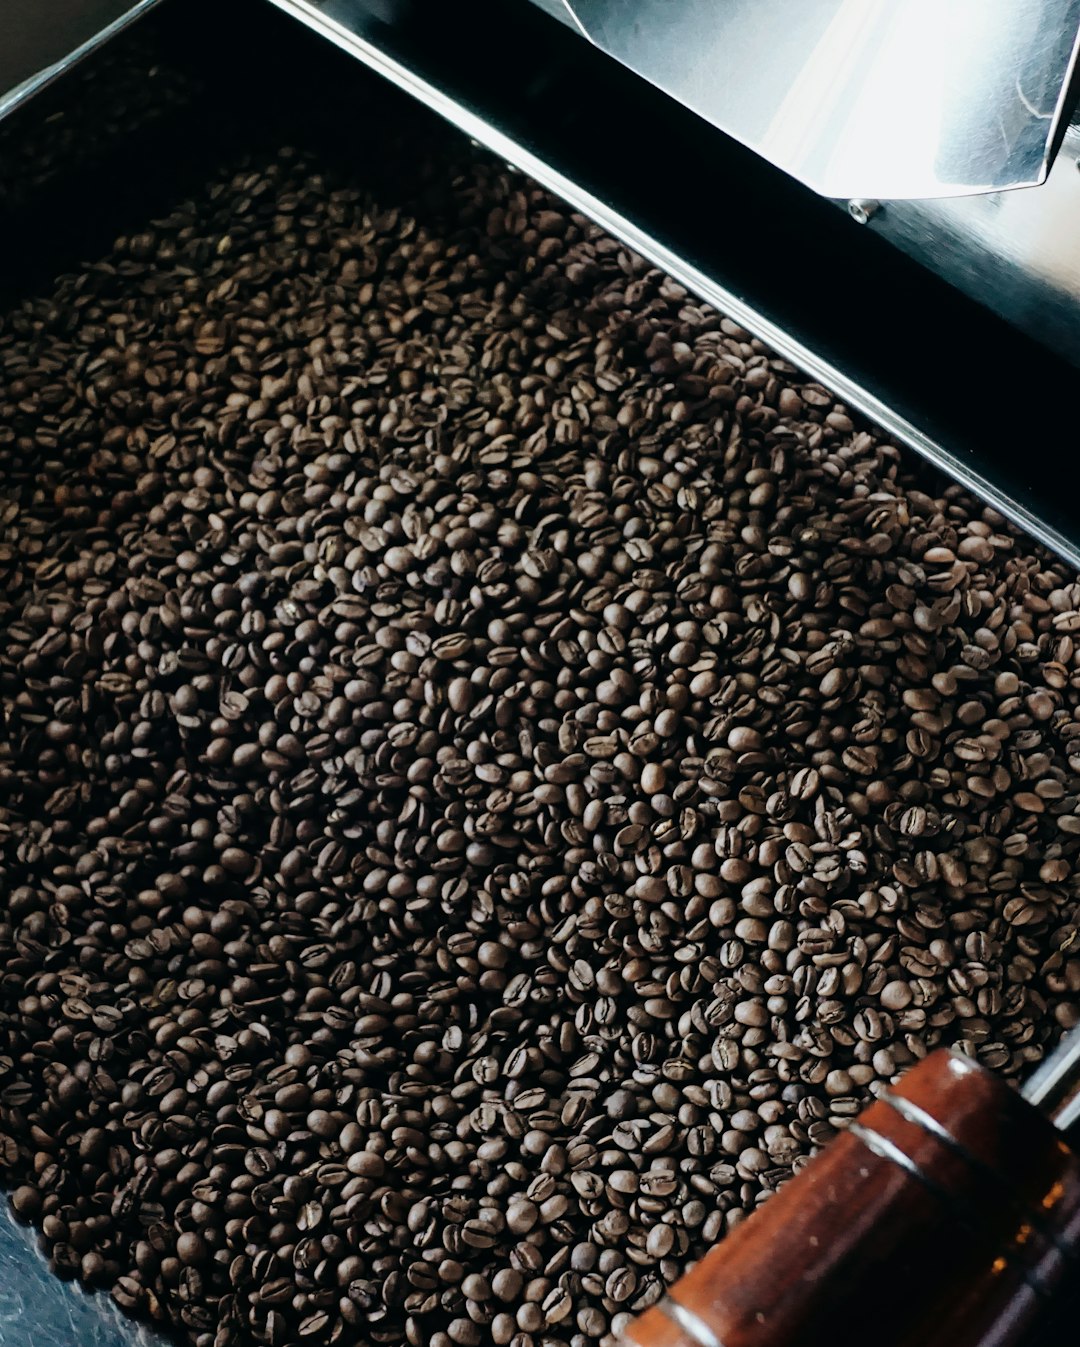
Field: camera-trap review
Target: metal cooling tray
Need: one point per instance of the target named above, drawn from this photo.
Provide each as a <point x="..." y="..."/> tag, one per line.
<point x="940" y="373"/>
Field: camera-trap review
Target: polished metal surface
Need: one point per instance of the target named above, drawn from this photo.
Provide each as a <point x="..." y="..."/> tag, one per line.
<point x="38" y="1310"/>
<point x="40" y="41"/>
<point x="862" y="98"/>
<point x="1016" y="252"/>
<point x="1054" y="1087"/>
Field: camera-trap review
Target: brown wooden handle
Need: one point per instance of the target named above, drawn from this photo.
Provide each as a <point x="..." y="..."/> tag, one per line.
<point x="947" y="1216"/>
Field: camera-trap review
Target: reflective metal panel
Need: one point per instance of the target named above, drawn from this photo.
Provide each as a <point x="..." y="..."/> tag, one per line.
<point x="1016" y="252"/>
<point x="863" y="98"/>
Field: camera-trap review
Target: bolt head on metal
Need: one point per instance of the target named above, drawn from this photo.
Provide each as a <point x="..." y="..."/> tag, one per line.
<point x="863" y="210"/>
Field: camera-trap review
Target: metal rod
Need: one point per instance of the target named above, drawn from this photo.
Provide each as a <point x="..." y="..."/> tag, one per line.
<point x="1054" y="1087"/>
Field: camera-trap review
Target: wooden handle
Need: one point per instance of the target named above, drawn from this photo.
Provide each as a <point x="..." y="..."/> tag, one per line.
<point x="946" y="1216"/>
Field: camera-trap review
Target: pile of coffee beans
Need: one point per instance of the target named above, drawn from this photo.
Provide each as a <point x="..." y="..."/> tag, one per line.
<point x="495" y="768"/>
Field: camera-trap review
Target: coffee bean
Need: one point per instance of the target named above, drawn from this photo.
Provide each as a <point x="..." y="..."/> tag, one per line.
<point x="896" y="995"/>
<point x="26" y="1202"/>
<point x="191" y="1248"/>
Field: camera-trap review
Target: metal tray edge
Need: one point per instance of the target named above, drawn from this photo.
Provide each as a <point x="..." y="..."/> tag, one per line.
<point x="706" y="287"/>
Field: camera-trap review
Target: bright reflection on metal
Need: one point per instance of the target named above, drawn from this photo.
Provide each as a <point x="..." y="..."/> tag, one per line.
<point x="862" y="98"/>
<point x="1055" y="1086"/>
